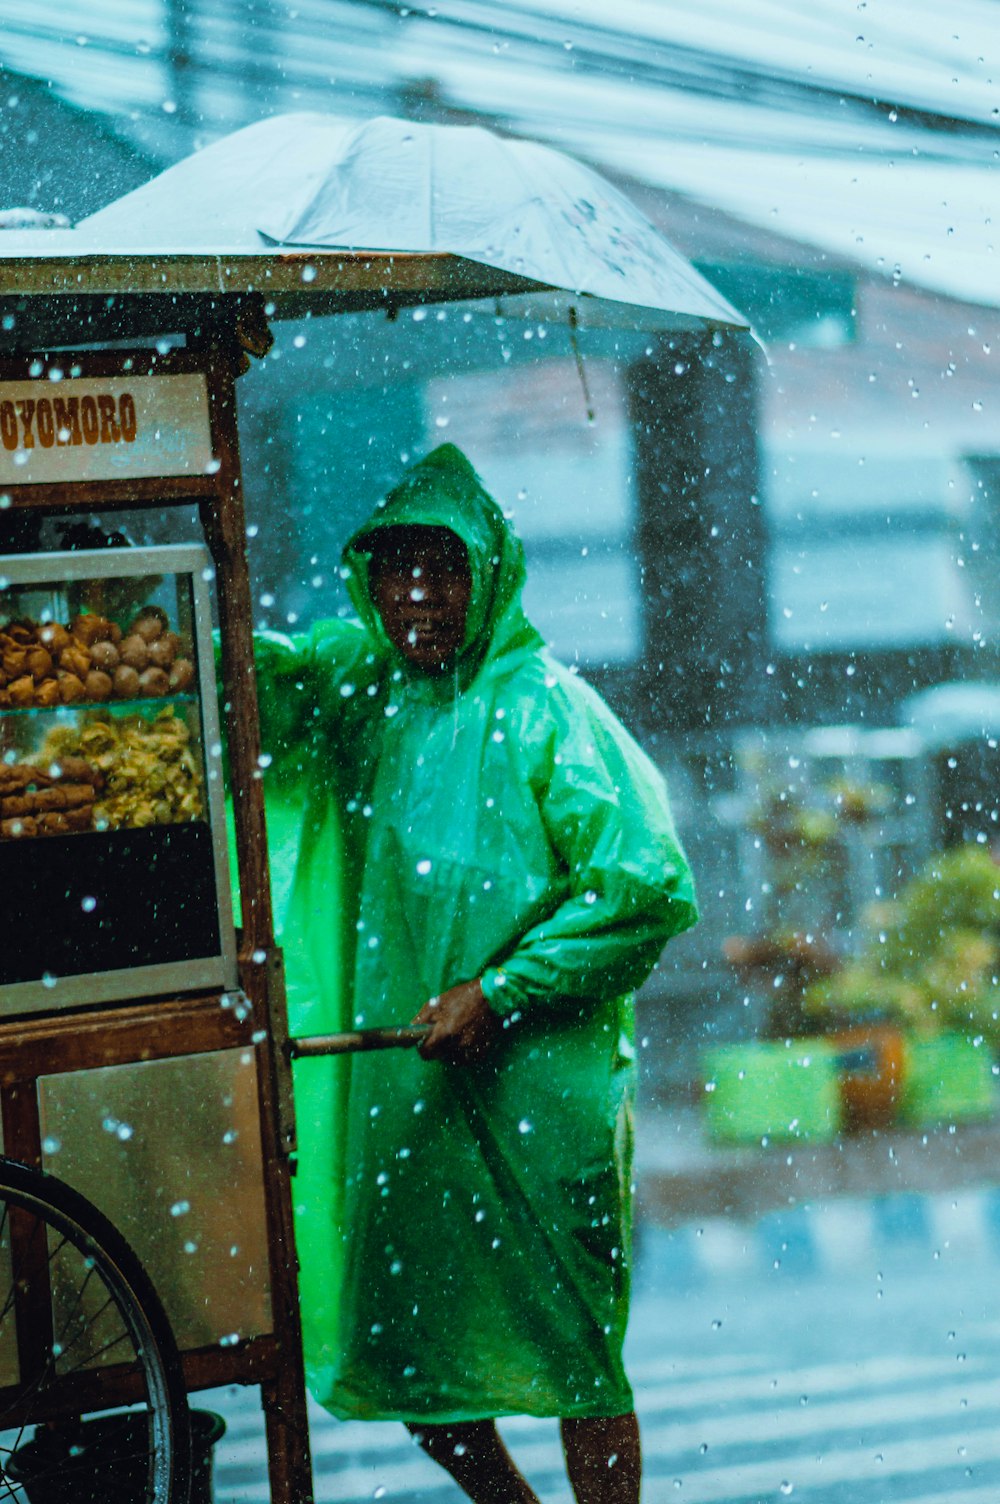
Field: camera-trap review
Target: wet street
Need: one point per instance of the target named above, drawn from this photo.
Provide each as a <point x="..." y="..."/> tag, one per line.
<point x="845" y="1353"/>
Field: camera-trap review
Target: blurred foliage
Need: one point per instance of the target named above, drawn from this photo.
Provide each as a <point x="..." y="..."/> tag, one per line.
<point x="932" y="959"/>
<point x="857" y="802"/>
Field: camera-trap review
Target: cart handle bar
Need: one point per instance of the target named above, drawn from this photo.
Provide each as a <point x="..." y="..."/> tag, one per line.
<point x="405" y="1037"/>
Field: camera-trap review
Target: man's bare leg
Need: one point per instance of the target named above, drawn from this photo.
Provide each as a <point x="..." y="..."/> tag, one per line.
<point x="603" y="1458"/>
<point x="474" y="1455"/>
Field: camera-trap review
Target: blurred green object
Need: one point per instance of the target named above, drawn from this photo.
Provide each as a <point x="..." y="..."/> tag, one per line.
<point x="768" y="1089"/>
<point x="948" y="1079"/>
<point x="931" y="961"/>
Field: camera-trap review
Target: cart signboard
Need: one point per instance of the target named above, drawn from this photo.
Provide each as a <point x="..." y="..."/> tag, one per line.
<point x="72" y="428"/>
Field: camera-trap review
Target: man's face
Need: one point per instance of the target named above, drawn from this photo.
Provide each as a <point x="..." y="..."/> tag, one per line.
<point x="421" y="584"/>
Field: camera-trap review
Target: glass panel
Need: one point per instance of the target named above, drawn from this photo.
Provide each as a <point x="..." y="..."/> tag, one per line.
<point x="98" y="725"/>
<point x="170" y="1151"/>
<point x="102" y="753"/>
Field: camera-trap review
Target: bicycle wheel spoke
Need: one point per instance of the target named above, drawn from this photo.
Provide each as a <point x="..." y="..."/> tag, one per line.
<point x="69" y="1315"/>
<point x="47" y="1372"/>
<point x="87" y="1326"/>
<point x="97" y="1353"/>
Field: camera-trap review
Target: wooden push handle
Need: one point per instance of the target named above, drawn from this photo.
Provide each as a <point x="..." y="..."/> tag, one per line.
<point x="403" y="1037"/>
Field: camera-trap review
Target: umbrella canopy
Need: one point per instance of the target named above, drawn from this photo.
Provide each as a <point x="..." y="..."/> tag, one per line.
<point x="947" y="715"/>
<point x="385" y="185"/>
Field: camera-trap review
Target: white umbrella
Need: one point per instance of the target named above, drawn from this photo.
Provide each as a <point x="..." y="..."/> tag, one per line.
<point x="386" y="185"/>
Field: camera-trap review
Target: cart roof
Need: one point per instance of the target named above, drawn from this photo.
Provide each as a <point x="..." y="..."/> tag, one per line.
<point x="104" y="292"/>
<point x="76" y="290"/>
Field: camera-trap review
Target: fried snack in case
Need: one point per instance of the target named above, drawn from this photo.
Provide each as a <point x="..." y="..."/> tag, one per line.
<point x="151" y="773"/>
<point x="53" y="800"/>
<point x="91" y="659"/>
<point x="13" y="830"/>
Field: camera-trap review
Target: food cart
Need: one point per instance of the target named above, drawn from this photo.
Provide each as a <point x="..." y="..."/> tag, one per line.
<point x="143" y="1037"/>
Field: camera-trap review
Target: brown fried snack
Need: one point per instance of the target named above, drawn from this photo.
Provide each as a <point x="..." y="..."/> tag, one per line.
<point x="90" y="628"/>
<point x="126" y="682"/>
<point x="81" y="818"/>
<point x="54" y="637"/>
<point x="54" y="823"/>
<point x="153" y="682"/>
<point x="21" y="826"/>
<point x="163" y="650"/>
<point x="78" y="770"/>
<point x="13" y="659"/>
<point x="181" y="675"/>
<point x="14" y="805"/>
<point x="99" y="685"/>
<point x="47" y="693"/>
<point x="148" y="627"/>
<point x="17" y="776"/>
<point x="22" y="691"/>
<point x="39" y="662"/>
<point x="71" y="688"/>
<point x="135" y="652"/>
<point x="150" y="622"/>
<point x="60" y="796"/>
<point x="75" y="795"/>
<point x="105" y="656"/>
<point x="75" y="660"/>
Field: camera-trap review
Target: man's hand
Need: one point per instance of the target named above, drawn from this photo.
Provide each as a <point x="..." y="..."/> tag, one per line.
<point x="463" y="1025"/>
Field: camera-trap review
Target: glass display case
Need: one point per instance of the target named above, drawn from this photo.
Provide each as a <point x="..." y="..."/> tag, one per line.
<point x="113" y="858"/>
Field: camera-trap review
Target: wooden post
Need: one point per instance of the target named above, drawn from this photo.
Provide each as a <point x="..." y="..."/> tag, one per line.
<point x="283" y="1396"/>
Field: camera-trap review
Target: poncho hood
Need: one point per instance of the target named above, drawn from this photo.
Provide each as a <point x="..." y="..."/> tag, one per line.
<point x="443" y="490"/>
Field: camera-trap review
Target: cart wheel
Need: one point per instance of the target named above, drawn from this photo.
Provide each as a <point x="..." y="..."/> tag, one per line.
<point x="87" y="1357"/>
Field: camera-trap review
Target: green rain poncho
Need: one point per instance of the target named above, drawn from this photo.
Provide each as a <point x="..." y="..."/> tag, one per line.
<point x="464" y="1231"/>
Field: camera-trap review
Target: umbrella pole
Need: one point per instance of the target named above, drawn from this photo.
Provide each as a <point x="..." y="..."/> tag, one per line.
<point x="580" y="368"/>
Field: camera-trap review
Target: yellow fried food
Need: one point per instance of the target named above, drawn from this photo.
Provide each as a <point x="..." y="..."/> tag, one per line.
<point x="151" y="775"/>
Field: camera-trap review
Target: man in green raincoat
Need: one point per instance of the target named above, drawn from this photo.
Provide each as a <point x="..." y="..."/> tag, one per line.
<point x="485" y="850"/>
